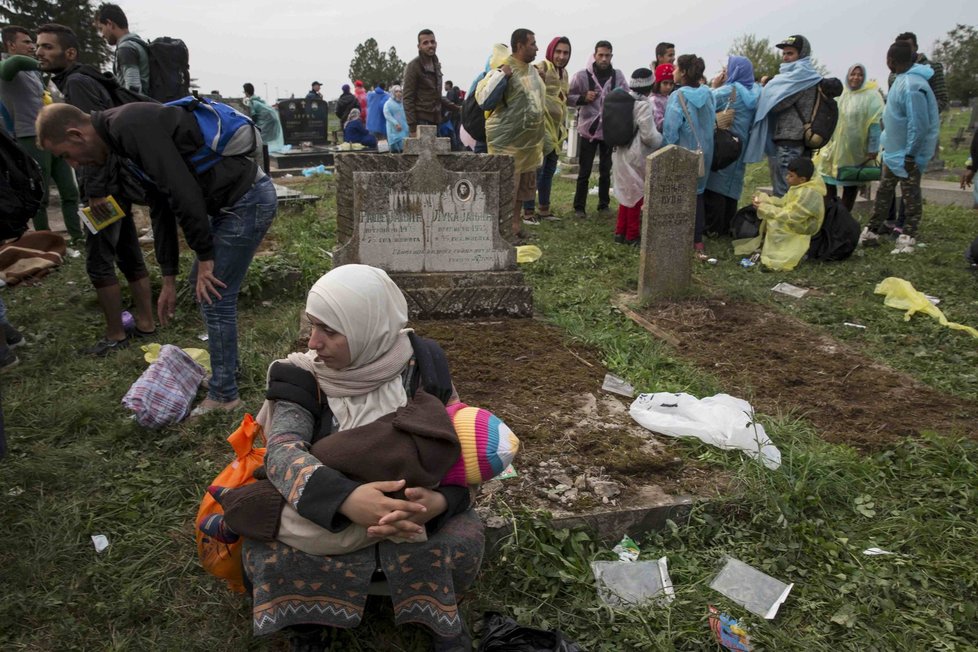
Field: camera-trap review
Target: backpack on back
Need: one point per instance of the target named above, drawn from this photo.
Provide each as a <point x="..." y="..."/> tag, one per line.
<point x="226" y="132"/>
<point x="474" y="118"/>
<point x="120" y="94"/>
<point x="618" y="118"/>
<point x="839" y="235"/>
<point x="745" y="224"/>
<point x="820" y="126"/>
<point x="169" y="68"/>
<point x="21" y="188"/>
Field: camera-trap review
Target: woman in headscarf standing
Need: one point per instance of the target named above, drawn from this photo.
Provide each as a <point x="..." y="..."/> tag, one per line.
<point x="856" y="140"/>
<point x="690" y="116"/>
<point x="396" y="120"/>
<point x="736" y="91"/>
<point x="366" y="364"/>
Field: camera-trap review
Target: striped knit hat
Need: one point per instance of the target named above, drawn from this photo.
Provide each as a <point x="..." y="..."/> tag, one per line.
<point x="488" y="445"/>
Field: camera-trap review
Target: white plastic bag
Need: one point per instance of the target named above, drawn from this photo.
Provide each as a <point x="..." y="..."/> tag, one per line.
<point x="722" y="421"/>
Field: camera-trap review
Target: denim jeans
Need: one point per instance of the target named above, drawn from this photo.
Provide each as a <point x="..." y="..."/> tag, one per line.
<point x="545" y="181"/>
<point x="778" y="165"/>
<point x="236" y="232"/>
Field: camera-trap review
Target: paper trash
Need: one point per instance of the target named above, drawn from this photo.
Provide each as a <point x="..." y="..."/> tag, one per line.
<point x="790" y="290"/>
<point x="101" y="542"/>
<point x="617" y="385"/>
<point x="758" y="592"/>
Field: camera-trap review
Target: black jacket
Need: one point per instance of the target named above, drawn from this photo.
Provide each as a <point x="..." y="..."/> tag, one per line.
<point x="346" y="102"/>
<point x="157" y="140"/>
<point x="81" y="88"/>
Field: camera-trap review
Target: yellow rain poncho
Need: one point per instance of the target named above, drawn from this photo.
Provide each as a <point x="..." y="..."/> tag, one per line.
<point x="556" y="86"/>
<point x="516" y="125"/>
<point x="857" y="132"/>
<point x="902" y="295"/>
<point x="787" y="225"/>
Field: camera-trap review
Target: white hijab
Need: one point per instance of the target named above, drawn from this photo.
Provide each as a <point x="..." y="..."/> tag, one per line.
<point x="364" y="304"/>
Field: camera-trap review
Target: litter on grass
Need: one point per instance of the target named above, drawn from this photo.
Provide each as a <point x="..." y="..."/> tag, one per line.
<point x="852" y="325"/>
<point x="728" y="632"/>
<point x="100" y="541"/>
<point x="528" y="254"/>
<point x="508" y="472"/>
<point x="617" y="385"/>
<point x="901" y="294"/>
<point x="203" y="337"/>
<point x="624" y="583"/>
<point x="757" y="592"/>
<point x="790" y="290"/>
<point x="723" y="421"/>
<point x="627" y="549"/>
<point x="876" y="552"/>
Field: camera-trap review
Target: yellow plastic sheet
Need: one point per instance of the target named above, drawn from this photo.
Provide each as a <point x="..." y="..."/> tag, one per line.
<point x="528" y="254"/>
<point x="901" y="294"/>
<point x="200" y="356"/>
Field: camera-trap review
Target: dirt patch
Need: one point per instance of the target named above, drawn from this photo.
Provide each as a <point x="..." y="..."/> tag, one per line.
<point x="580" y="448"/>
<point x="781" y="364"/>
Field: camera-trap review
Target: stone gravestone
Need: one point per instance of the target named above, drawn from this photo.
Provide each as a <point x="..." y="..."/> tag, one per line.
<point x="668" y="221"/>
<point x="434" y="221"/>
<point x="974" y="114"/>
<point x="304" y="121"/>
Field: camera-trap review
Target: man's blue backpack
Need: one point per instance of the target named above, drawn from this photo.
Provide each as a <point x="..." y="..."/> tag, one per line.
<point x="226" y="132"/>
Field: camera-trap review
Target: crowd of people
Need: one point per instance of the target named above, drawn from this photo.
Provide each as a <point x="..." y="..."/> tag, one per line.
<point x="363" y="363"/>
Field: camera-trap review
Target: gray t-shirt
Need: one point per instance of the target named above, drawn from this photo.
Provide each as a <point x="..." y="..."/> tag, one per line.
<point x="131" y="68"/>
<point x="23" y="96"/>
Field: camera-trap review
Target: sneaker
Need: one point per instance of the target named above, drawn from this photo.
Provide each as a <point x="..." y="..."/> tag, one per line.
<point x="620" y="238"/>
<point x="8" y="361"/>
<point x="104" y="347"/>
<point x="13" y="336"/>
<point x="904" y="244"/>
<point x="550" y="217"/>
<point x="868" y="238"/>
<point x="531" y="220"/>
<point x="634" y="243"/>
<point x="580" y="214"/>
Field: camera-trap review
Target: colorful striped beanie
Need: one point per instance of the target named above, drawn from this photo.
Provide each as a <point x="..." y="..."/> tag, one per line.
<point x="488" y="445"/>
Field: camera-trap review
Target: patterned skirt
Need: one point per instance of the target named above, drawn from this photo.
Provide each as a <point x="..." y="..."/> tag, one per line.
<point x="291" y="587"/>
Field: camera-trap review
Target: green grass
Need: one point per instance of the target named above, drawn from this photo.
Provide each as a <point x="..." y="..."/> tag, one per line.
<point x="78" y="466"/>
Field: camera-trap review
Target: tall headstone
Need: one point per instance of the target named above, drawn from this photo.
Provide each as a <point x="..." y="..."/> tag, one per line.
<point x="304" y="121"/>
<point x="668" y="221"/>
<point x="974" y="114"/>
<point x="435" y="221"/>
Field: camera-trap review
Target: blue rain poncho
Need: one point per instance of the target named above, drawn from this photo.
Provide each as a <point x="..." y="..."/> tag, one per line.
<point x="792" y="78"/>
<point x="729" y="181"/>
<point x="910" y="121"/>
<point x="268" y="123"/>
<point x="395" y="116"/>
<point x="677" y="131"/>
<point x="376" y="123"/>
<point x="857" y="132"/>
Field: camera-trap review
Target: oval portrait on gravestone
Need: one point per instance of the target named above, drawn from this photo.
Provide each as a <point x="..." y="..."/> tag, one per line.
<point x="291" y="106"/>
<point x="463" y="190"/>
<point x="314" y="106"/>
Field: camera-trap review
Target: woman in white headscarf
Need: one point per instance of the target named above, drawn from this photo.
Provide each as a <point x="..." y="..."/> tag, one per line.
<point x="365" y="363"/>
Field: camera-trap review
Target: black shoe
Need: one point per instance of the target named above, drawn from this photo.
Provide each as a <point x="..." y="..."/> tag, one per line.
<point x="307" y="638"/>
<point x="619" y="238"/>
<point x="142" y="334"/>
<point x="461" y="642"/>
<point x="13" y="336"/>
<point x="104" y="347"/>
<point x="634" y="243"/>
<point x="579" y="213"/>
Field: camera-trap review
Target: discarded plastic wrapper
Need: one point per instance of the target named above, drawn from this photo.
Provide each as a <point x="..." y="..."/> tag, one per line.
<point x="623" y="583"/>
<point x="528" y="254"/>
<point x="593" y="191"/>
<point x="508" y="472"/>
<point x="902" y="295"/>
<point x="100" y="541"/>
<point x="852" y="325"/>
<point x="712" y="261"/>
<point x="728" y="632"/>
<point x="790" y="290"/>
<point x="203" y="337"/>
<point x="875" y="552"/>
<point x="627" y="549"/>
<point x="723" y="421"/>
<point x="747" y="263"/>
<point x="758" y="592"/>
<point x="617" y="385"/>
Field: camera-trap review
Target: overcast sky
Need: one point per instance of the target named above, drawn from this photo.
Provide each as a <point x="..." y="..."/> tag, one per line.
<point x="283" y="45"/>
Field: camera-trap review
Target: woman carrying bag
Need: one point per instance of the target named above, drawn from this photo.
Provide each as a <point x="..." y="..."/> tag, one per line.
<point x="849" y="159"/>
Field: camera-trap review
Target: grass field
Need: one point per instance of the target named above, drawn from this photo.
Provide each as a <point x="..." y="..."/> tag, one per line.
<point x="78" y="466"/>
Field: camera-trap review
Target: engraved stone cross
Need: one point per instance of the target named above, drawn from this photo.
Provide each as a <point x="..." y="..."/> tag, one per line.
<point x="427" y="141"/>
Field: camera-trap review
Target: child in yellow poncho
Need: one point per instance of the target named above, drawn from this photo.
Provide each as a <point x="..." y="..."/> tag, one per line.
<point x="788" y="223"/>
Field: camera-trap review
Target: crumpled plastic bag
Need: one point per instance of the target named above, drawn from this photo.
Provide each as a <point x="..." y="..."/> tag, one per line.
<point x="901" y="294"/>
<point x="723" y="421"/>
<point x="528" y="254"/>
<point x="200" y="356"/>
<point x="503" y="634"/>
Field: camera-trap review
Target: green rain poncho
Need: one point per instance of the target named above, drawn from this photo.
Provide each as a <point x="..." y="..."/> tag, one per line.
<point x="516" y="125"/>
<point x="268" y="122"/>
<point x="857" y="132"/>
<point x="787" y="225"/>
